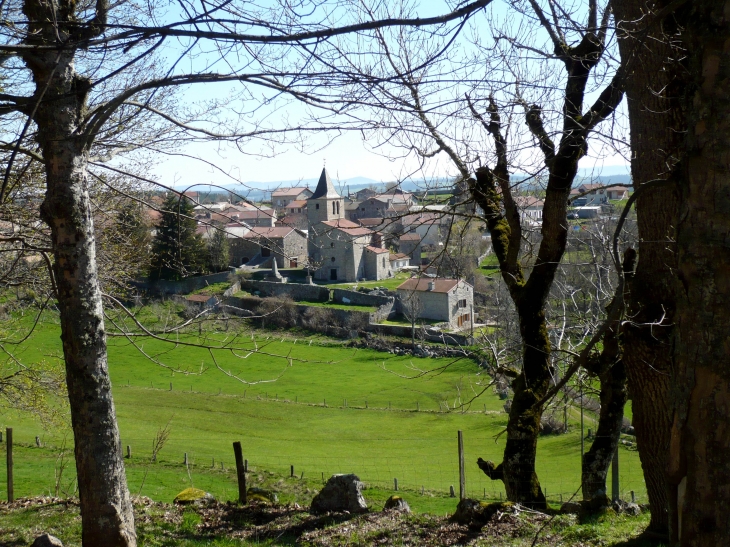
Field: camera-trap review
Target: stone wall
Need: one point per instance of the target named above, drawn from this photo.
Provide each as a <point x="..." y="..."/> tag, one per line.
<point x="331" y="321"/>
<point x="428" y="335"/>
<point x="185" y="286"/>
<point x="360" y="298"/>
<point x="295" y="291"/>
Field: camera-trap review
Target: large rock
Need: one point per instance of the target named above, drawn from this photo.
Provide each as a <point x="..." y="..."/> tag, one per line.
<point x="193" y="495"/>
<point x="396" y="503"/>
<point x="261" y="495"/>
<point x="47" y="540"/>
<point x="477" y="513"/>
<point x="341" y="493"/>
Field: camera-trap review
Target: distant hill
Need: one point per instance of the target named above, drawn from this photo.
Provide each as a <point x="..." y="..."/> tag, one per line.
<point x="260" y="191"/>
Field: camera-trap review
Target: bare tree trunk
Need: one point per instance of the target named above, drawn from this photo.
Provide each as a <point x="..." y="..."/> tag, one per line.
<point x="699" y="467"/>
<point x="596" y="462"/>
<point x="106" y="511"/>
<point x="657" y="125"/>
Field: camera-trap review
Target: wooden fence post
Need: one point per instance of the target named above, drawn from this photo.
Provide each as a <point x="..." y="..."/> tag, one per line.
<point x="9" y="434"/>
<point x="462" y="477"/>
<point x="395" y="484"/>
<point x="129" y="452"/>
<point x="240" y="473"/>
<point x="614" y="477"/>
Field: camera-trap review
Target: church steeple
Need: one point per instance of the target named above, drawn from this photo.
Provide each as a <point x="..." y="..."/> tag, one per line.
<point x="325" y="188"/>
<point x="325" y="204"/>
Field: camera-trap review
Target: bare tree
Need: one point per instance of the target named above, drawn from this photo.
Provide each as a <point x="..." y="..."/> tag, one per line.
<point x="412" y="307"/>
<point x="428" y="119"/>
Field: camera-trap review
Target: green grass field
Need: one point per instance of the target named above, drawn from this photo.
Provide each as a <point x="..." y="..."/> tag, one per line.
<point x="385" y="417"/>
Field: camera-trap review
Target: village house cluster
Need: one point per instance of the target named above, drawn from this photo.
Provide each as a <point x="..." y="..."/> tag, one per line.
<point x="365" y="235"/>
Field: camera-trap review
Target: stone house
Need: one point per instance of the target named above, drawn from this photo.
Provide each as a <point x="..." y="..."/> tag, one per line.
<point x="410" y="245"/>
<point x="281" y="197"/>
<point x="201" y="300"/>
<point x="427" y="225"/>
<point x="338" y="244"/>
<point x="617" y="193"/>
<point x="530" y="208"/>
<point x="398" y="261"/>
<point x="377" y="263"/>
<point x="259" y="244"/>
<point x="439" y="299"/>
<point x="596" y="195"/>
<point x="259" y="217"/>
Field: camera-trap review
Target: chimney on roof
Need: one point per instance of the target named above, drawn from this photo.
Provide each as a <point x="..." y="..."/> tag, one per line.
<point x="431" y="285"/>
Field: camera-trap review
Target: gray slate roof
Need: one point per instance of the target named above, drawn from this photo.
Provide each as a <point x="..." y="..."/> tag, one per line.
<point x="325" y="188"/>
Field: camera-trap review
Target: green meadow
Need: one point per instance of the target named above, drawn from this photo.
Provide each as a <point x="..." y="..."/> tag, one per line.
<point x="294" y="400"/>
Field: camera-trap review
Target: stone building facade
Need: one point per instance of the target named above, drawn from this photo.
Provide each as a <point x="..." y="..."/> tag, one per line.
<point x="289" y="246"/>
<point x="340" y="245"/>
<point x="439" y="299"/>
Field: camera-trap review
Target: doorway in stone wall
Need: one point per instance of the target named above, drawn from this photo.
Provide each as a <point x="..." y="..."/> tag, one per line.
<point x="333" y="274"/>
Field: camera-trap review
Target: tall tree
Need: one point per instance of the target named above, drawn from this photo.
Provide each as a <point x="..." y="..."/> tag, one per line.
<point x="656" y="124"/>
<point x="699" y="469"/>
<point x="218" y="255"/>
<point x="178" y="251"/>
<point x="428" y="119"/>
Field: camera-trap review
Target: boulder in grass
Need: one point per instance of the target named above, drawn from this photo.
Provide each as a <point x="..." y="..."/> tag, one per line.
<point x="261" y="495"/>
<point x="47" y="540"/>
<point x="193" y="495"/>
<point x="396" y="503"/>
<point x="477" y="513"/>
<point x="341" y="493"/>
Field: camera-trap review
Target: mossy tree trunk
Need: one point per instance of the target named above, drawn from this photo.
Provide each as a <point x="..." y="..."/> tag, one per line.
<point x="491" y="190"/>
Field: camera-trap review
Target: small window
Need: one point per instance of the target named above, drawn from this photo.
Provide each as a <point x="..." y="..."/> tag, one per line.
<point x="332" y="244"/>
<point x="333" y="259"/>
<point x="316" y="206"/>
<point x="338" y="207"/>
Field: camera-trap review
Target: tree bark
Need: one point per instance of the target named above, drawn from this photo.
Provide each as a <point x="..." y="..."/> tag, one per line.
<point x="106" y="510"/>
<point x="596" y="462"/>
<point x="699" y="467"/>
<point x="653" y="92"/>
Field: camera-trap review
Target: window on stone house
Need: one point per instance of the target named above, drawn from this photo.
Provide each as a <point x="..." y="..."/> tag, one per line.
<point x="333" y="259"/>
<point x="316" y="206"/>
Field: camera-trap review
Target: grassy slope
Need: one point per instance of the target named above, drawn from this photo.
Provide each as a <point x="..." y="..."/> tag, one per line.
<point x="418" y="448"/>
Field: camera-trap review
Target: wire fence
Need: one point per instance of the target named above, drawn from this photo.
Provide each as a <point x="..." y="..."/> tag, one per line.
<point x="419" y="467"/>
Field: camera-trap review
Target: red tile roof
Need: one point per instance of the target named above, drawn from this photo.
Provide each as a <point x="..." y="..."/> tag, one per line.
<point x="296" y="204"/>
<point x="348" y="227"/>
<point x="399" y="256"/>
<point x="286" y="192"/>
<point x="376" y="250"/>
<point x="410" y="237"/>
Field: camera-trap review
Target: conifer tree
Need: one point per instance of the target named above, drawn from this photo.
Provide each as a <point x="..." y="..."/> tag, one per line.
<point x="177" y="250"/>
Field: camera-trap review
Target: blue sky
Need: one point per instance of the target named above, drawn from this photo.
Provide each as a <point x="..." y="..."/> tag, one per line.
<point x="346" y="157"/>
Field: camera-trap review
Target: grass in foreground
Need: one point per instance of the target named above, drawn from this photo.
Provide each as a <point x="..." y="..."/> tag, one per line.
<point x="229" y="525"/>
<point x="332" y="409"/>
